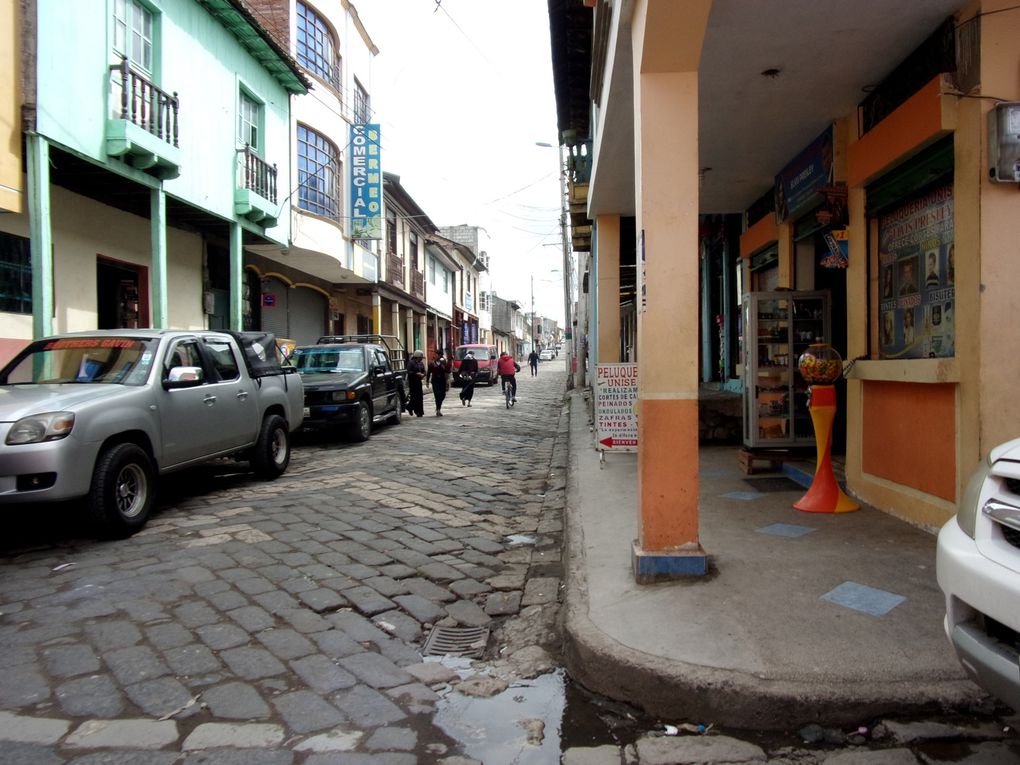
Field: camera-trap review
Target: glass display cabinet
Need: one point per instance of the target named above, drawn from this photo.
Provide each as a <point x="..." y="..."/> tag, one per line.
<point x="778" y="328"/>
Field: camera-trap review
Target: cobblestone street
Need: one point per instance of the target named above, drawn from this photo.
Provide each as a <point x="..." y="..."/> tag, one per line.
<point x="283" y="622"/>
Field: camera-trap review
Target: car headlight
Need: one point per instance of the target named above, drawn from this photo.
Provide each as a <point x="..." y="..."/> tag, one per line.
<point x="969" y="507"/>
<point x="50" y="426"/>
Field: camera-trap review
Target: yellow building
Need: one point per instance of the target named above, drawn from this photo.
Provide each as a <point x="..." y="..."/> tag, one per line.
<point x="808" y="122"/>
<point x="12" y="182"/>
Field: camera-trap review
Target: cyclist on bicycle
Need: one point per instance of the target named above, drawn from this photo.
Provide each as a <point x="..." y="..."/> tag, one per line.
<point x="508" y="369"/>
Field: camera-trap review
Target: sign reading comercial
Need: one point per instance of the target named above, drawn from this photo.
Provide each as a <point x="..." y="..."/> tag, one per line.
<point x="616" y="398"/>
<point x="366" y="183"/>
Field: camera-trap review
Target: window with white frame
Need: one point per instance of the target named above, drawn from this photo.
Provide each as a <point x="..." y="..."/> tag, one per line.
<point x="446" y="280"/>
<point x="249" y="120"/>
<point x="391" y="231"/>
<point x="412" y="242"/>
<point x="362" y="107"/>
<point x="133" y="33"/>
<point x="316" y="46"/>
<point x="318" y="170"/>
<point x="432" y="269"/>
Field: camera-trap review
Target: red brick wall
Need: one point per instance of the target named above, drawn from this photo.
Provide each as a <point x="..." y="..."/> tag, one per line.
<point x="273" y="16"/>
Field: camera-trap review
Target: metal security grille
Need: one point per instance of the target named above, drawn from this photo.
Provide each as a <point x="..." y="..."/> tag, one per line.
<point x="456" y="641"/>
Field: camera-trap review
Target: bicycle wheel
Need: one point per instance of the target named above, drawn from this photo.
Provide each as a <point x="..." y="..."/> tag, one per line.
<point x="508" y="397"/>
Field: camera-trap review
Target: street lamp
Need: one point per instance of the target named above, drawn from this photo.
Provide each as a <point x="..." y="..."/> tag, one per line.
<point x="567" y="313"/>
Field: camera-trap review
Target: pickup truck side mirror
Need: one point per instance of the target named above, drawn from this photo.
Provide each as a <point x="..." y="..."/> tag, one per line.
<point x="378" y="371"/>
<point x="183" y="377"/>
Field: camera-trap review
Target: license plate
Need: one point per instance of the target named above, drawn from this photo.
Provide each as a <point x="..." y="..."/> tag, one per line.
<point x="308" y="412"/>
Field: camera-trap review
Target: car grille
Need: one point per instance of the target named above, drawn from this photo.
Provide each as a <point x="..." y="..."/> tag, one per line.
<point x="318" y="396"/>
<point x="1011" y="535"/>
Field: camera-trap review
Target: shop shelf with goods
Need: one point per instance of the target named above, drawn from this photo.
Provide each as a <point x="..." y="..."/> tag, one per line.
<point x="779" y="327"/>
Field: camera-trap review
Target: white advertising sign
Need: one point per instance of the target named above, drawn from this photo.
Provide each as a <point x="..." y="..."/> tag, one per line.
<point x="616" y="398"/>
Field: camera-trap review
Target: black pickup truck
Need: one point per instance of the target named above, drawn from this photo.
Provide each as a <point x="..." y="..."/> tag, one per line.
<point x="352" y="381"/>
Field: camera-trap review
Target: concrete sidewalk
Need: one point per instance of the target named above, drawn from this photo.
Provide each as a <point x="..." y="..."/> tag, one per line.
<point x="803" y="618"/>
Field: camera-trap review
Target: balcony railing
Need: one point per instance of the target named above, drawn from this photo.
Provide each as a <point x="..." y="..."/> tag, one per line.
<point x="145" y="105"/>
<point x="255" y="174"/>
<point x="395" y="269"/>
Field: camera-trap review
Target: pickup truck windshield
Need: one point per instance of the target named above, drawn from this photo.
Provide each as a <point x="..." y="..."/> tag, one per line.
<point x="87" y="360"/>
<point x="317" y="359"/>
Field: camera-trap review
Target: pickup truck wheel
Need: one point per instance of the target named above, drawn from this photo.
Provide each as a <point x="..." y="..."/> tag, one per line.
<point x="121" y="496"/>
<point x="395" y="417"/>
<point x="362" y="427"/>
<point x="271" y="453"/>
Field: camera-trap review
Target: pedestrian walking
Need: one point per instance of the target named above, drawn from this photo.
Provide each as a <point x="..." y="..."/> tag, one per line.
<point x="416" y="372"/>
<point x="533" y="361"/>
<point x="468" y="370"/>
<point x="436" y="377"/>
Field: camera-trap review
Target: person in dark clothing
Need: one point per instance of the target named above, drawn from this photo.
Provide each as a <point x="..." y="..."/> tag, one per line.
<point x="533" y="362"/>
<point x="415" y="378"/>
<point x="436" y="376"/>
<point x="468" y="370"/>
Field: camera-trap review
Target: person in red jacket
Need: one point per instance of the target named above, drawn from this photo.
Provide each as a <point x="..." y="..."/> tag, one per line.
<point x="508" y="369"/>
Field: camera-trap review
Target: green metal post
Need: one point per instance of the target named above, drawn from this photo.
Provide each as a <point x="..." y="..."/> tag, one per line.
<point x="236" y="276"/>
<point x="160" y="299"/>
<point x="41" y="231"/>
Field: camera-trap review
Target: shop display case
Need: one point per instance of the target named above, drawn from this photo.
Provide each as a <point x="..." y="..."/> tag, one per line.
<point x="778" y="328"/>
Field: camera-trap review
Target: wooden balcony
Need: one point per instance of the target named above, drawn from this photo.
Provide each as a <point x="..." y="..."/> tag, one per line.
<point x="255" y="188"/>
<point x="418" y="284"/>
<point x="143" y="130"/>
<point x="395" y="269"/>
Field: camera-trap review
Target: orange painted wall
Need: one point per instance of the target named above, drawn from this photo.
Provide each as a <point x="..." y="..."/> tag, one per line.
<point x="909" y="435"/>
<point x="914" y="125"/>
<point x="763" y="233"/>
<point x="668" y="473"/>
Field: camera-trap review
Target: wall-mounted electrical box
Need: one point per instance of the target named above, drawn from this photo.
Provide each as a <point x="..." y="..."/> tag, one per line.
<point x="1004" y="142"/>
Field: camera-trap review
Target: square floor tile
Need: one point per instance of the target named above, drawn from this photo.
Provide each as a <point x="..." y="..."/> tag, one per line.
<point x="860" y="597"/>
<point x="785" y="530"/>
<point x="744" y="495"/>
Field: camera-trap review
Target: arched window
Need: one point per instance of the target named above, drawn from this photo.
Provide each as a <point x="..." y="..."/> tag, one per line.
<point x="316" y="46"/>
<point x="318" y="172"/>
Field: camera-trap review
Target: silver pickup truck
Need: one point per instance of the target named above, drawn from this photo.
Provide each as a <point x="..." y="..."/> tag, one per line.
<point x="98" y="415"/>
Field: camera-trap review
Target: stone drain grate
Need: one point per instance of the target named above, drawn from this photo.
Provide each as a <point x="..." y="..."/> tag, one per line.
<point x="456" y="641"/>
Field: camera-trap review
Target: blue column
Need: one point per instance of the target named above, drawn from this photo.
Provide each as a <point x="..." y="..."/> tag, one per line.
<point x="729" y="315"/>
<point x="157" y="224"/>
<point x="709" y="332"/>
<point x="41" y="232"/>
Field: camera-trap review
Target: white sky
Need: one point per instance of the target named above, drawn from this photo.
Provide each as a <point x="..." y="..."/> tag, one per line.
<point x="463" y="91"/>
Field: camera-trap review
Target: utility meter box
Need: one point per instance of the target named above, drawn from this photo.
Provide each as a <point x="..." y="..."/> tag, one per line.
<point x="1004" y="142"/>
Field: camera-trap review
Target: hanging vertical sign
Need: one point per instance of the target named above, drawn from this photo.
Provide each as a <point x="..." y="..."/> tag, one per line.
<point x="798" y="185"/>
<point x="366" y="183"/>
<point x="616" y="399"/>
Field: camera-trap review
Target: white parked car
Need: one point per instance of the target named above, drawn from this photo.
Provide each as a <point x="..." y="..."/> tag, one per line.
<point x="546" y="354"/>
<point x="978" y="569"/>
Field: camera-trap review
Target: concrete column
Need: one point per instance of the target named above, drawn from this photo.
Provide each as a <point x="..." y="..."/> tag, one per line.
<point x="41" y="230"/>
<point x="667" y="38"/>
<point x="157" y="231"/>
<point x="236" y="320"/>
<point x="395" y="311"/>
<point x="376" y="313"/>
<point x="607" y="288"/>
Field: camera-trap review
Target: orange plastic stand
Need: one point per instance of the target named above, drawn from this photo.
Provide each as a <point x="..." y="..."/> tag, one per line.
<point x="824" y="496"/>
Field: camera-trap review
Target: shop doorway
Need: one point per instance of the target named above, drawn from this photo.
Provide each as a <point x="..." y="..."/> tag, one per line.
<point x="122" y="295"/>
<point x="833" y="280"/>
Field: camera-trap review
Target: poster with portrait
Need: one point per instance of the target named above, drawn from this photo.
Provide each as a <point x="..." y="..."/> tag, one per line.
<point x="916" y="278"/>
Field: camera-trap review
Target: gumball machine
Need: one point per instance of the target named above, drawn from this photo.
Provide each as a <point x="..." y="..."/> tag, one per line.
<point x="821" y="367"/>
